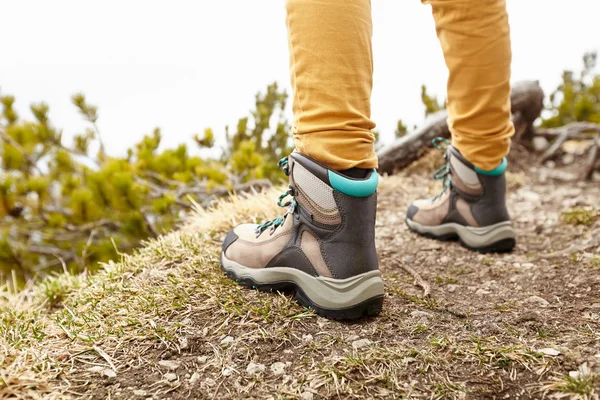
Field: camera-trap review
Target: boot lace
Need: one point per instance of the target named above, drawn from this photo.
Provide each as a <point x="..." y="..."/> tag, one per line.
<point x="442" y="173"/>
<point x="291" y="204"/>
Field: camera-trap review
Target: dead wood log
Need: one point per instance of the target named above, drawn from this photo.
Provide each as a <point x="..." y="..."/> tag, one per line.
<point x="526" y="106"/>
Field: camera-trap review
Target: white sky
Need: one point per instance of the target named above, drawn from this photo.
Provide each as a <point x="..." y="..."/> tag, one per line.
<point x="185" y="65"/>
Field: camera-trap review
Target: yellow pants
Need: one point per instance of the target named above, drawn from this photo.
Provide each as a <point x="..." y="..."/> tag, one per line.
<point x="331" y="67"/>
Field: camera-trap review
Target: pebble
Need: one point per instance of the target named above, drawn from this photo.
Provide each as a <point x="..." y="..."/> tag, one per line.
<point x="452" y="288"/>
<point x="482" y="292"/>
<point x="169" y="364"/>
<point x="306" y="396"/>
<point x="170" y="377"/>
<point x="255" y="369"/>
<point x="549" y="351"/>
<point x="183" y="343"/>
<point x="527" y="265"/>
<point x="210" y="382"/>
<point x="540" y="144"/>
<point x="109" y="373"/>
<point x="359" y="344"/>
<point x="227" y="340"/>
<point x="140" y="393"/>
<point x="278" y="368"/>
<point x="226" y="372"/>
<point x="194" y="378"/>
<point x="202" y="359"/>
<point x="537" y="300"/>
<point x="307" y="338"/>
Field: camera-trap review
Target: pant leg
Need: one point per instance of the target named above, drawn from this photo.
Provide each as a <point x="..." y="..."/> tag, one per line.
<point x="331" y="68"/>
<point x="475" y="39"/>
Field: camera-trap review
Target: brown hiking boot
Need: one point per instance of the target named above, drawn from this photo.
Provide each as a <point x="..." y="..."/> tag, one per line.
<point x="471" y="208"/>
<point x="323" y="247"/>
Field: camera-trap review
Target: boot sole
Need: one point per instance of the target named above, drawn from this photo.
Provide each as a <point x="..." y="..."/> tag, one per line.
<point x="497" y="238"/>
<point x="340" y="299"/>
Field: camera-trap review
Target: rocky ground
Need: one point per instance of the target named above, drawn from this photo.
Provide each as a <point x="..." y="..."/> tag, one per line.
<point x="166" y="324"/>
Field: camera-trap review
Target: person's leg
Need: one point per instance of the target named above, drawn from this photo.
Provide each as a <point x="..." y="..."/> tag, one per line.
<point x="324" y="245"/>
<point x="331" y="68"/>
<point x="475" y="39"/>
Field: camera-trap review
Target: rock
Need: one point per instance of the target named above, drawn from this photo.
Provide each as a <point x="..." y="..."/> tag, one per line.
<point x="278" y="368"/>
<point x="202" y="359"/>
<point x="352" y="338"/>
<point x="530" y="196"/>
<point x="210" y="382"/>
<point x="140" y="393"/>
<point x="420" y="314"/>
<point x="307" y="338"/>
<point x="539" y="144"/>
<point x="568" y="159"/>
<point x="169" y="364"/>
<point x="187" y="321"/>
<point x="548" y="351"/>
<point x="183" y="343"/>
<point x="255" y="368"/>
<point x="227" y="340"/>
<point x="306" y="396"/>
<point x="109" y="373"/>
<point x="170" y="377"/>
<point x="482" y="292"/>
<point x="96" y="368"/>
<point x="537" y="300"/>
<point x="359" y="344"/>
<point x="527" y="265"/>
<point x="194" y="378"/>
<point x="452" y="288"/>
<point x="226" y="372"/>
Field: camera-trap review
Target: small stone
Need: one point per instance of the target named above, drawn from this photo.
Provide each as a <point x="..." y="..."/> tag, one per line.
<point x="568" y="159"/>
<point x="227" y="340"/>
<point x="306" y="396"/>
<point x="538" y="301"/>
<point x="452" y="288"/>
<point x="169" y="364"/>
<point x="187" y="321"/>
<point x="109" y="373"/>
<point x="202" y="359"/>
<point x="307" y="338"/>
<point x="482" y="292"/>
<point x="194" y="378"/>
<point x="255" y="369"/>
<point x="548" y="351"/>
<point x="352" y="338"/>
<point x="527" y="265"/>
<point x="226" y="372"/>
<point x="540" y="144"/>
<point x="210" y="382"/>
<point x="574" y="374"/>
<point x="420" y="314"/>
<point x="359" y="344"/>
<point x="278" y="368"/>
<point x="140" y="393"/>
<point x="595" y="305"/>
<point x="183" y="343"/>
<point x="288" y="351"/>
<point x="170" y="377"/>
<point x="96" y="368"/>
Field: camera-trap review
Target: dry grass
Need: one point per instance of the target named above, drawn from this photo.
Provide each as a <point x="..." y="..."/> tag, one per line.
<point x="476" y="336"/>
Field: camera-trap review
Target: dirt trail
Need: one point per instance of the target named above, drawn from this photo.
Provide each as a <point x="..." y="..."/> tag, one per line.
<point x="508" y="326"/>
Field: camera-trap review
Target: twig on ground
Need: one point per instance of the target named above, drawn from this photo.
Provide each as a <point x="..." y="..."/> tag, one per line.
<point x="419" y="281"/>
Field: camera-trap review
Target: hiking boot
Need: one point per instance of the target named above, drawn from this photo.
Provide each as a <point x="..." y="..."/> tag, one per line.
<point x="471" y="207"/>
<point x="323" y="247"/>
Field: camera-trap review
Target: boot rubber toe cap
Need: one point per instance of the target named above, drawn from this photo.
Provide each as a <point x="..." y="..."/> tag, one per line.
<point x="412" y="210"/>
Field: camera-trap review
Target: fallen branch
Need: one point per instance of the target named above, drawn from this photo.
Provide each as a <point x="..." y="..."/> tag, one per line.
<point x="526" y="105"/>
